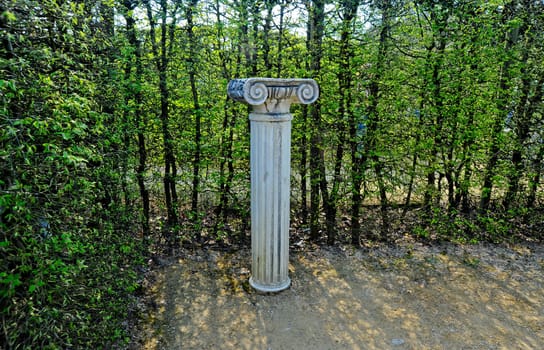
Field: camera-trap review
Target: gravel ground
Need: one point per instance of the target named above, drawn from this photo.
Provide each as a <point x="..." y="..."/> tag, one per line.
<point x="403" y="296"/>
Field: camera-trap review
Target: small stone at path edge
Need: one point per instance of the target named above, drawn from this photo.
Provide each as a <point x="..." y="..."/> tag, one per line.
<point x="397" y="341"/>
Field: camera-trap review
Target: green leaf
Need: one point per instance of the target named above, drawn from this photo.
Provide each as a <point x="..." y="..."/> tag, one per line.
<point x="9" y="16"/>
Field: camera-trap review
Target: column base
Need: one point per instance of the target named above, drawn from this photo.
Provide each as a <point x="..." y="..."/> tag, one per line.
<point x="270" y="288"/>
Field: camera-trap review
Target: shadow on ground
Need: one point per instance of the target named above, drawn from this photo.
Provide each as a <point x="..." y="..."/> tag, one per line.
<point x="402" y="297"/>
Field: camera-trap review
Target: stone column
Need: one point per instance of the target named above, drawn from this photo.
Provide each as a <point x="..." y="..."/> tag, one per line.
<point x="270" y="160"/>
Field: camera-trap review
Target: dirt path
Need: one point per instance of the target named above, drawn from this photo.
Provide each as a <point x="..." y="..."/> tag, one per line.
<point x="403" y="297"/>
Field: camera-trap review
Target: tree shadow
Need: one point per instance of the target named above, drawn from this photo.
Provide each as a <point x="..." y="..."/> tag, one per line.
<point x="353" y="299"/>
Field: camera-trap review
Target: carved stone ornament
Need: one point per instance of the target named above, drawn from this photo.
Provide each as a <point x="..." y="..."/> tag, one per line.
<point x="270" y="162"/>
<point x="273" y="96"/>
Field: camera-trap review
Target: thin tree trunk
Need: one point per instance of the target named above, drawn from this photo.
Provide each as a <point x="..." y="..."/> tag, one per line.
<point x="304" y="167"/>
<point x="502" y="105"/>
<point x="356" y="202"/>
<point x="469" y="138"/>
<point x="535" y="179"/>
<point x="489" y="172"/>
<point x="358" y="159"/>
<point x="279" y="63"/>
<point x="191" y="62"/>
<point x="432" y="195"/>
<point x="463" y="195"/>
<point x="344" y="90"/>
<point x="374" y="119"/>
<point x="412" y="177"/>
<point x="227" y="130"/>
<point x="161" y="61"/>
<point x="318" y="179"/>
<point x="139" y="123"/>
<point x="414" y="164"/>
<point x="449" y="174"/>
<point x="269" y="5"/>
<point x="530" y="101"/>
<point x="256" y="16"/>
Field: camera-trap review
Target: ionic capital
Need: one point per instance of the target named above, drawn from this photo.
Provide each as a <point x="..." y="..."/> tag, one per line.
<point x="273" y="96"/>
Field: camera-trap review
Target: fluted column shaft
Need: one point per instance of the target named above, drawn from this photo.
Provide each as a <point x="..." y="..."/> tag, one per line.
<point x="270" y="160"/>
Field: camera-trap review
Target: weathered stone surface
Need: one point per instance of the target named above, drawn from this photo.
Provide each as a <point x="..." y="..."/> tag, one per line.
<point x="270" y="160"/>
<point x="268" y="95"/>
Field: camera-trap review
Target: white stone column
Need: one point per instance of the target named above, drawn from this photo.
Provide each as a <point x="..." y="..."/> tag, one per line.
<point x="270" y="160"/>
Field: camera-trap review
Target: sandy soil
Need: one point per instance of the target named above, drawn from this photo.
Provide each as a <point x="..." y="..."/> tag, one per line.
<point x="407" y="296"/>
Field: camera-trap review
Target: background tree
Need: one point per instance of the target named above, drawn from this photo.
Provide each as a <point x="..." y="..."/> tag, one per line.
<point x="162" y="51"/>
<point x="524" y="114"/>
<point x="133" y="76"/>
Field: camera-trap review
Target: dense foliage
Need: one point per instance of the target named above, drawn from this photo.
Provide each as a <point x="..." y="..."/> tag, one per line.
<point x="116" y="135"/>
<point x="67" y="245"/>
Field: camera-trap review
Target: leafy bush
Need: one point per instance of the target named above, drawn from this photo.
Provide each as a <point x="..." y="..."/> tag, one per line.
<point x="67" y="254"/>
